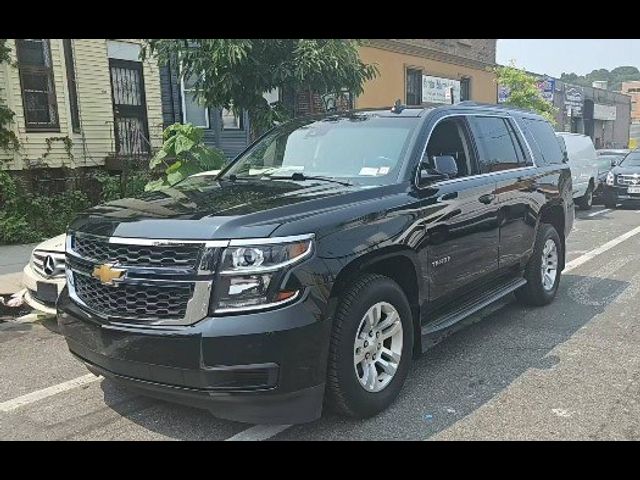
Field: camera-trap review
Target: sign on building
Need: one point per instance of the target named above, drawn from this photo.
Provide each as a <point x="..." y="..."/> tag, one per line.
<point x="546" y="86"/>
<point x="573" y="100"/>
<point x="604" y="112"/>
<point x="438" y="90"/>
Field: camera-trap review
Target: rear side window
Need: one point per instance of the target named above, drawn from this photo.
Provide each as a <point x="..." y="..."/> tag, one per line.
<point x="544" y="138"/>
<point x="498" y="145"/>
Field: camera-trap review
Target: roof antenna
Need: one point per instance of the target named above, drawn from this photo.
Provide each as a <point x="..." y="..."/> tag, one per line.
<point x="397" y="107"/>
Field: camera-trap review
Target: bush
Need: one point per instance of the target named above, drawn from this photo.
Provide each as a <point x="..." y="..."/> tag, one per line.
<point x="26" y="217"/>
<point x="115" y="187"/>
<point x="183" y="153"/>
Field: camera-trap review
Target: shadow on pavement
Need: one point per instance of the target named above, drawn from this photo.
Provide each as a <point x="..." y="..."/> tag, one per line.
<point x="445" y="384"/>
<point x="468" y="369"/>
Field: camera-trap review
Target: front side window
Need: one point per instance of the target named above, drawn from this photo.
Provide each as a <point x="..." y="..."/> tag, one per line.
<point x="498" y="145"/>
<point x="36" y="81"/>
<point x="451" y="138"/>
<point x="363" y="149"/>
<point x="192" y="111"/>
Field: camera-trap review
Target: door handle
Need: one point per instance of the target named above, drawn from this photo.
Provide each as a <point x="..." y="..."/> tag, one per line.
<point x="487" y="198"/>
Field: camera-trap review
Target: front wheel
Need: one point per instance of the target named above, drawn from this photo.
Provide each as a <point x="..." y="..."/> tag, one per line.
<point x="543" y="270"/>
<point x="371" y="347"/>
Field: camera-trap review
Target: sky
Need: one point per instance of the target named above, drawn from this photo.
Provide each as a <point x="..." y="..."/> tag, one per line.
<point x="581" y="56"/>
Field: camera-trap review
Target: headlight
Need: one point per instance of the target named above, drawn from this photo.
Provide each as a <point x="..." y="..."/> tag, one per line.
<point x="251" y="273"/>
<point x="610" y="178"/>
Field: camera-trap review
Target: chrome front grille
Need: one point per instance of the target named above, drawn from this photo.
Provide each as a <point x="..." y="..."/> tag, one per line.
<point x="156" y="282"/>
<point x="48" y="264"/>
<point x="99" y="249"/>
<point x="628" y="180"/>
<point x="161" y="301"/>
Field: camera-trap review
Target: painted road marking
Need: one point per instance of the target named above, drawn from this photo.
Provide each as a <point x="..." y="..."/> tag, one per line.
<point x="32" y="397"/>
<point x="257" y="433"/>
<point x="601" y="249"/>
<point x="599" y="212"/>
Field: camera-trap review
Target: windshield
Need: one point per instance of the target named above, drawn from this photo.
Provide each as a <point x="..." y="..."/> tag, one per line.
<point x="355" y="148"/>
<point x="631" y="160"/>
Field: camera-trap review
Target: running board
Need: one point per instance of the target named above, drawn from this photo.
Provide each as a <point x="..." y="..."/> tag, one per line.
<point x="472" y="306"/>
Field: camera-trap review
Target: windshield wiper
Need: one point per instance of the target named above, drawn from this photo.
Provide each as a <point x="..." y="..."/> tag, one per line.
<point x="300" y="177"/>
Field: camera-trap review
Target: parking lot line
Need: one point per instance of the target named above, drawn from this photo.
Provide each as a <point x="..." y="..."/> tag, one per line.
<point x="257" y="433"/>
<point x="605" y="210"/>
<point x="32" y="397"/>
<point x="601" y="249"/>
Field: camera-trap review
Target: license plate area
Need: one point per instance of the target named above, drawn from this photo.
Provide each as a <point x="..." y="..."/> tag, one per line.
<point x="634" y="189"/>
<point x="47" y="292"/>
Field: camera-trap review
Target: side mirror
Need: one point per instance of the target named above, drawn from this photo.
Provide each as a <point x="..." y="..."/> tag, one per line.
<point x="614" y="163"/>
<point x="445" y="168"/>
<point x="446" y="165"/>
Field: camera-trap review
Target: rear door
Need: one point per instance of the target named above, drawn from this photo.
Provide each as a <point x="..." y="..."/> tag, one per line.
<point x="502" y="153"/>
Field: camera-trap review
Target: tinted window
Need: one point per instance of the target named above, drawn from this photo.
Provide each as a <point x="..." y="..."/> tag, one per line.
<point x="497" y="145"/>
<point x="544" y="138"/>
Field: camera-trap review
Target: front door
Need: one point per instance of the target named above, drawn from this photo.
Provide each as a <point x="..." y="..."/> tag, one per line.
<point x="462" y="216"/>
<point x="129" y="107"/>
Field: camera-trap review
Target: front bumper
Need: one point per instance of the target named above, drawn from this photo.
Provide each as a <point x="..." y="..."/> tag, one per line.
<point x="618" y="194"/>
<point x="263" y="367"/>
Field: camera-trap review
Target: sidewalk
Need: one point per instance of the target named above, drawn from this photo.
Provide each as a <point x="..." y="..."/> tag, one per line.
<point x="13" y="258"/>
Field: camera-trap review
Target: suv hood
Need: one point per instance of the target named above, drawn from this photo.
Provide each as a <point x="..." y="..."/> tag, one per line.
<point x="207" y="209"/>
<point x="626" y="170"/>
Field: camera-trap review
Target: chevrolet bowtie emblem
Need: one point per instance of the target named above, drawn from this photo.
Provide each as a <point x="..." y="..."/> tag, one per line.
<point x="108" y="274"/>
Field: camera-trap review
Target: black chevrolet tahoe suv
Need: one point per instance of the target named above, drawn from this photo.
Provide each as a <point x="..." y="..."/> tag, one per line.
<point x="314" y="266"/>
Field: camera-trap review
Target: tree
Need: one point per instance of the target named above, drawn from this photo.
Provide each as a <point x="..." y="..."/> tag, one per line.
<point x="235" y="73"/>
<point x="523" y="91"/>
<point x="8" y="139"/>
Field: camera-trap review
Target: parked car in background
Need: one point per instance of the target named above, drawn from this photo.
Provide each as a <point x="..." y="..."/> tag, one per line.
<point x="583" y="161"/>
<point x="623" y="181"/>
<point x="320" y="260"/>
<point x="607" y="159"/>
<point x="43" y="277"/>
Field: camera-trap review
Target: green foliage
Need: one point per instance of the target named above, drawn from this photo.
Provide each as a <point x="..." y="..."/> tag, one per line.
<point x="8" y="139"/>
<point x="26" y="217"/>
<point x="235" y="73"/>
<point x="614" y="77"/>
<point x="66" y="141"/>
<point x="115" y="187"/>
<point x="523" y="91"/>
<point x="183" y="153"/>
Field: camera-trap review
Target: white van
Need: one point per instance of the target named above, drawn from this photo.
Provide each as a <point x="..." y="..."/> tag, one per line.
<point x="583" y="161"/>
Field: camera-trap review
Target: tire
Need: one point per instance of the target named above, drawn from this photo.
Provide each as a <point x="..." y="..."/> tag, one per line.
<point x="534" y="292"/>
<point x="586" y="201"/>
<point x="345" y="393"/>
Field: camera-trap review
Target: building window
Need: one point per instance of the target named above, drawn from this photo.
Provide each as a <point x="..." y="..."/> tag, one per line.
<point x="71" y="83"/>
<point x="414" y="87"/>
<point x="192" y="111"/>
<point x="465" y="89"/>
<point x="36" y="82"/>
<point x="230" y="121"/>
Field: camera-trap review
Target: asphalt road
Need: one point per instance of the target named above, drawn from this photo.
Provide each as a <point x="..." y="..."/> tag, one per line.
<point x="570" y="370"/>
